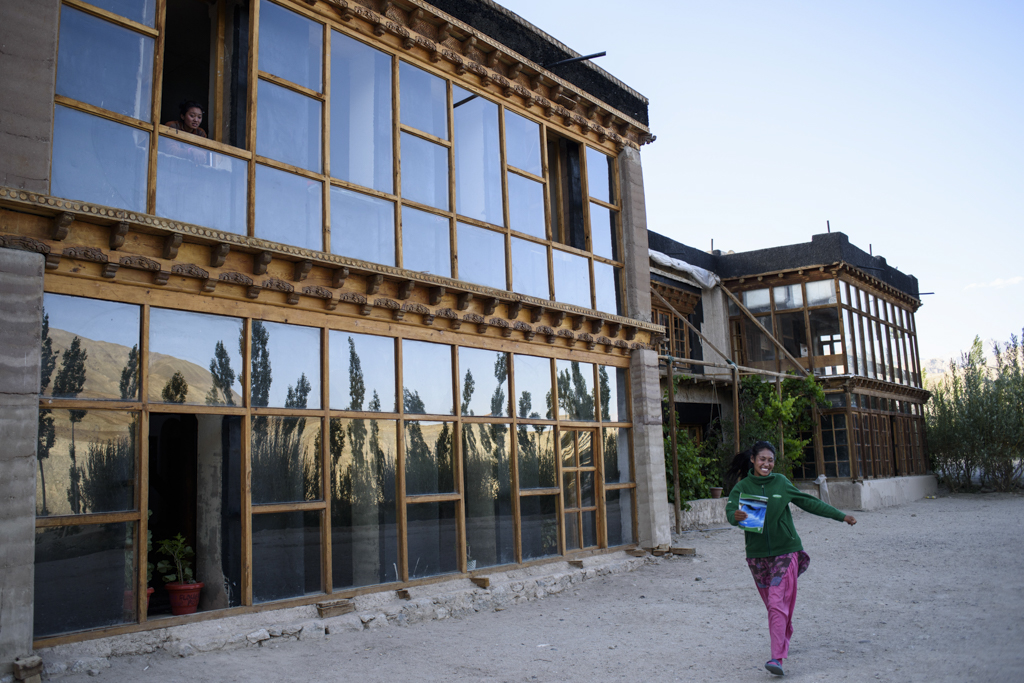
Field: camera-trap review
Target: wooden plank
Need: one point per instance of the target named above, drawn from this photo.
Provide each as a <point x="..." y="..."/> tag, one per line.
<point x="636" y="552"/>
<point x="157" y="102"/>
<point x="251" y="96"/>
<point x="326" y="475"/>
<point x="102" y="113"/>
<point x="521" y="172"/>
<point x="431" y="138"/>
<point x="205" y="143"/>
<point x="575" y="564"/>
<point x="325" y="139"/>
<point x="334" y="608"/>
<point x="222" y="67"/>
<point x="481" y="581"/>
<point x="288" y="85"/>
<point x="91" y="518"/>
<point x="297" y="506"/>
<point x="400" y="497"/>
<point x="687" y="552"/>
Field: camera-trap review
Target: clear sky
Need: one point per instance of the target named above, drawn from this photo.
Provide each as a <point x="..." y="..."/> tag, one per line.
<point x="901" y="122"/>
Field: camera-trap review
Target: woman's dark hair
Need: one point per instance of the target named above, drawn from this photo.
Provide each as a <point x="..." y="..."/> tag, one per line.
<point x="737" y="469"/>
<point x="189" y="104"/>
<point x="762" y="446"/>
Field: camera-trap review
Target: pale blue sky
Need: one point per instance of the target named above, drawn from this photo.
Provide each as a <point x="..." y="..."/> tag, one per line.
<point x="900" y="122"/>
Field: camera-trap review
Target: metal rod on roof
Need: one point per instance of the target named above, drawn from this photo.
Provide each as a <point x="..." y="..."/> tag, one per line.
<point x="574" y="59"/>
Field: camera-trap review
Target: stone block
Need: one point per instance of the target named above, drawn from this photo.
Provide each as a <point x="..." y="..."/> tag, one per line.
<point x="259" y="636"/>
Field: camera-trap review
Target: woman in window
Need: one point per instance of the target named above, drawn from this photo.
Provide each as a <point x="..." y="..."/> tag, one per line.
<point x="190" y="117"/>
<point x="759" y="504"/>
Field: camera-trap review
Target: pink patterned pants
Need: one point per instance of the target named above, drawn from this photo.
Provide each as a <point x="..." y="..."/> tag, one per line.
<point x="780" y="599"/>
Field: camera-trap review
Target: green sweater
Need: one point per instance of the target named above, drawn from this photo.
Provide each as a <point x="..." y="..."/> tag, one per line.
<point x="779" y="536"/>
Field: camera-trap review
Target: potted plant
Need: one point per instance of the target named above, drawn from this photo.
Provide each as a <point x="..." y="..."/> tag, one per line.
<point x="181" y="587"/>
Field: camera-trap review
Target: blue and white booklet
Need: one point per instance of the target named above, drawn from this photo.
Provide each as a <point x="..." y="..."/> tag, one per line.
<point x="755" y="507"/>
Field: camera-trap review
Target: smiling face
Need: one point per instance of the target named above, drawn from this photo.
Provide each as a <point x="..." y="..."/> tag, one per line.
<point x="192" y="118"/>
<point x="763" y="462"/>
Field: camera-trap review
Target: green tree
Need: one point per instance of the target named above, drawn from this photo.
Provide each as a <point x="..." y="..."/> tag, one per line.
<point x="574" y="396"/>
<point x="129" y="384"/>
<point x="70" y="382"/>
<point x="176" y="389"/>
<point x="261" y="375"/>
<point x="47" y="431"/>
<point x="223" y="377"/>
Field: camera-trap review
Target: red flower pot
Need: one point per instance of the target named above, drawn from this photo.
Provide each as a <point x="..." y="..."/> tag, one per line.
<point x="184" y="596"/>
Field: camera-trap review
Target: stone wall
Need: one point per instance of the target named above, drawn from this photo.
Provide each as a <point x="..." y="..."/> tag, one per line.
<point x="21" y="310"/>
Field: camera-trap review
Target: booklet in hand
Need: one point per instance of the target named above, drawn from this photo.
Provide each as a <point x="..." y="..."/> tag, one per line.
<point x="755" y="507"/>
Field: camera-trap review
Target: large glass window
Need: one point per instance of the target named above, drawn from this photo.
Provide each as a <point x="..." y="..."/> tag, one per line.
<point x="362" y="372"/>
<point x="289" y="208"/>
<point x="427" y="375"/>
<point x="575" y="391"/>
<point x="285" y="459"/>
<point x="290" y="46"/>
<point x="140" y="11"/>
<point x="424" y="100"/>
<point x="288" y="126"/>
<point x="490" y="534"/>
<point x="481" y="256"/>
<point x="572" y="278"/>
<point x="606" y="290"/>
<point x="429" y="458"/>
<point x="194" y="358"/>
<point x="424" y="171"/>
<point x="285" y="555"/>
<point x="426" y="242"/>
<point x="534" y="398"/>
<point x="273" y="347"/>
<point x="484" y="382"/>
<point x="477" y="152"/>
<point x="599" y="175"/>
<point x="526" y="205"/>
<point x="530" y="268"/>
<point x="195" y="185"/>
<point x="362" y="227"/>
<point x="522" y="143"/>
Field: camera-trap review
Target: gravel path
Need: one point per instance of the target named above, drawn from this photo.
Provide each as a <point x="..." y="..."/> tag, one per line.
<point x="930" y="591"/>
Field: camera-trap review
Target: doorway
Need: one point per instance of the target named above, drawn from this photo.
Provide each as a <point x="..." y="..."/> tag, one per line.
<point x="579" y="488"/>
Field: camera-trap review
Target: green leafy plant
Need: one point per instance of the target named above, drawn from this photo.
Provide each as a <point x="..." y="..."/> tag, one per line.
<point x="698" y="469"/>
<point x="179" y="567"/>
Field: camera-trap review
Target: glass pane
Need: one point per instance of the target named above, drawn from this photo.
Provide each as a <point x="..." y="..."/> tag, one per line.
<point x="589" y="529"/>
<point x="364" y="526"/>
<point x="424" y="171"/>
<point x="362" y="227"/>
<point x="619" y="514"/>
<point x="843" y="295"/>
<point x="288" y="126"/>
<point x="292" y="354"/>
<point x="533" y="388"/>
<point x="96" y="160"/>
<point x="84" y="578"/>
<point x="285" y="555"/>
<point x="142" y="11"/>
<point x="616" y="455"/>
<point x="522" y="143"/>
<point x="194" y="185"/>
<point x="792" y="333"/>
<point x="572" y="531"/>
<point x="361" y="150"/>
<point x="481" y="256"/>
<point x="567" y="445"/>
<point x="484" y="382"/>
<point x="757" y="300"/>
<point x="606" y="279"/>
<point x="538" y="517"/>
<point x="86" y="461"/>
<point x="433" y="539"/>
<point x="194" y="358"/>
<point x="90" y="348"/>
<point x="427" y="377"/>
<point x="285" y="459"/>
<point x="291" y="46"/>
<point x="426" y="242"/>
<point x="362" y="372"/>
<point x="490" y="536"/>
<point x="575" y="390"/>
<point x="572" y="279"/>
<point x="602" y="231"/>
<point x="614" y="400"/>
<point x="104" y="64"/>
<point x="585" y="445"/>
<point x="821" y="293"/>
<point x="788" y="296"/>
<point x="759" y="349"/>
<point x="526" y="205"/>
<point x="477" y="152"/>
<point x="530" y="268"/>
<point x="599" y="176"/>
<point x="429" y="466"/>
<point x="569" y="488"/>
<point x="536" y="457"/>
<point x="424" y="100"/>
<point x="587" y="489"/>
<point x="825" y="335"/>
<point x="289" y="208"/>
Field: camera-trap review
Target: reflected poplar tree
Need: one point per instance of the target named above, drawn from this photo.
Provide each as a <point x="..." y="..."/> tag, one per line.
<point x="129" y="383"/>
<point x="47" y="432"/>
<point x="69" y="383"/>
<point x="573" y="395"/>
<point x="260" y="374"/>
<point x="531" y="457"/>
<point x="108" y="475"/>
<point x="223" y="376"/>
<point x="176" y="389"/>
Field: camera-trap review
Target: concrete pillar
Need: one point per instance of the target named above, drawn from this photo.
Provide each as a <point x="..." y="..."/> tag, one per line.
<point x="648" y="451"/>
<point x="21" y="318"/>
<point x="716" y="328"/>
<point x="637" y="278"/>
<point x="28" y="56"/>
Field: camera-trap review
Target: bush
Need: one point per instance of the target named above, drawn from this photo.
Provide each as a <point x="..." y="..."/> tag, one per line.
<point x="698" y="469"/>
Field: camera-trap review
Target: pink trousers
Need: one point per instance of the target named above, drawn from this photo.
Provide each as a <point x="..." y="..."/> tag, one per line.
<point x="780" y="599"/>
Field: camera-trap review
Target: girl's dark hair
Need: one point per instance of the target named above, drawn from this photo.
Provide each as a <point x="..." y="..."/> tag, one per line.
<point x="762" y="446"/>
<point x="737" y="468"/>
<point x="189" y="104"/>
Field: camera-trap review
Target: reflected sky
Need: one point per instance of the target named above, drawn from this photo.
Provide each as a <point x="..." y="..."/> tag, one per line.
<point x="489" y="372"/>
<point x="94" y="319"/>
<point x="427" y="371"/>
<point x="293" y="350"/>
<point x="376" y="357"/>
<point x="193" y="337"/>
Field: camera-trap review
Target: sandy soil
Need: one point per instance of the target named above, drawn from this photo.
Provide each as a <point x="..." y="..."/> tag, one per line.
<point x="931" y="591"/>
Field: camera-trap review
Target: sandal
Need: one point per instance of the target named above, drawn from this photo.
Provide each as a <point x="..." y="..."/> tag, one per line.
<point x="775" y="666"/>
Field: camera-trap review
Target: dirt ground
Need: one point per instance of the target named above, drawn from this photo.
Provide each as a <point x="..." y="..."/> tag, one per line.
<point x="930" y="591"/>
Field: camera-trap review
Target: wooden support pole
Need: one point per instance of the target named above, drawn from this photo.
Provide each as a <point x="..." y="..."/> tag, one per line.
<point x="688" y="324"/>
<point x="753" y="319"/>
<point x="675" y="451"/>
<point x="736" y="406"/>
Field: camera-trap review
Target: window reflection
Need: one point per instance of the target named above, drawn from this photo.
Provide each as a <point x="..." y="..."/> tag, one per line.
<point x="821" y="293"/>
<point x="522" y="143"/>
<point x="788" y="296"/>
<point x="427" y="376"/>
<point x="285" y="555"/>
<point x="602" y="231"/>
<point x="526" y="205"/>
<point x="96" y="160"/>
<point x="290" y="46"/>
<point x="792" y="333"/>
<point x="619" y="514"/>
<point x="141" y="11"/>
<point x="533" y="399"/>
<point x="285" y="459"/>
<point x="757" y="300"/>
<point x="432" y="539"/>
<point x="536" y="445"/>
<point x="599" y="176"/>
<point x="612" y="387"/>
<point x="481" y="256"/>
<point x="362" y="372"/>
<point x="426" y="242"/>
<point x="572" y="278"/>
<point x="364" y="527"/>
<point x="90" y="348"/>
<point x="194" y="358"/>
<point x="484" y="382"/>
<point x="361" y="150"/>
<point x="429" y="464"/>
<point x="487" y="481"/>
<point x="530" y="268"/>
<point x="575" y="390"/>
<point x="615" y="441"/>
<point x="477" y="152"/>
<point x="424" y="100"/>
<point x="198" y="186"/>
<point x="362" y="227"/>
<point x="538" y="517"/>
<point x="424" y="171"/>
<point x="104" y="64"/>
<point x="288" y="126"/>
<point x="274" y="356"/>
<point x="606" y="289"/>
<point x="289" y="208"/>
